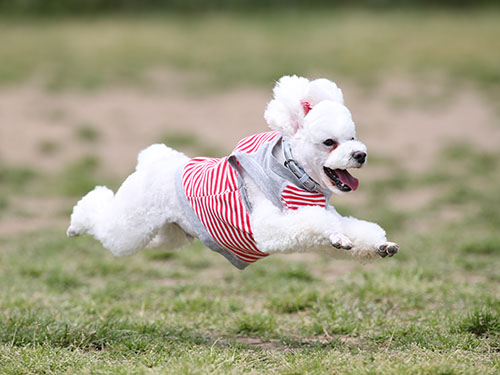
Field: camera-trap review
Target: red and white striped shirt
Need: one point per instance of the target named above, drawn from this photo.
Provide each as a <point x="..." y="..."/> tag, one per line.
<point x="211" y="186"/>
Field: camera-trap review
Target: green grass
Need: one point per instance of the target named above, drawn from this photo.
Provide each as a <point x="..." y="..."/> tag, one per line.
<point x="74" y="308"/>
<point x="48" y="147"/>
<point x="87" y="133"/>
<point x="232" y="49"/>
<point x="80" y="177"/>
<point x="13" y="179"/>
<point x="481" y="322"/>
<point x="69" y="307"/>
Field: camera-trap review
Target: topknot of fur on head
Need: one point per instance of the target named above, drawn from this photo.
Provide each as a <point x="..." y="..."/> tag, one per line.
<point x="286" y="113"/>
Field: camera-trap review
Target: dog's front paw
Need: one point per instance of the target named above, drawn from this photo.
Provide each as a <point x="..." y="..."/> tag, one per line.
<point x="387" y="249"/>
<point x="340" y="241"/>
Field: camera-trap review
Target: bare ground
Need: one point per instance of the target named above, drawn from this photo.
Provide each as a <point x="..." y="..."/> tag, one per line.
<point x="402" y="120"/>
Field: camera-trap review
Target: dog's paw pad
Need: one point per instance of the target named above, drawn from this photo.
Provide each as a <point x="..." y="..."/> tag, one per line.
<point x="340" y="241"/>
<point x="387" y="249"/>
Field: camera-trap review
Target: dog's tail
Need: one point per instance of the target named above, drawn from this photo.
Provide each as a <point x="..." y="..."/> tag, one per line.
<point x="88" y="210"/>
<point x="156" y="153"/>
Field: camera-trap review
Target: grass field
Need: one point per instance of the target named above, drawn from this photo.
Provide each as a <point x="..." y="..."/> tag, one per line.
<point x="67" y="306"/>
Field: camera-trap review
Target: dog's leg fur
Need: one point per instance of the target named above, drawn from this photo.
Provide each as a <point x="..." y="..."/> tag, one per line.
<point x="170" y="237"/>
<point x="306" y="229"/>
<point x="366" y="237"/>
<point x="145" y="206"/>
<point x="314" y="228"/>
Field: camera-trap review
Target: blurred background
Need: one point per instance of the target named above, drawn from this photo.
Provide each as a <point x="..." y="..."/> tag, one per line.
<point x="86" y="84"/>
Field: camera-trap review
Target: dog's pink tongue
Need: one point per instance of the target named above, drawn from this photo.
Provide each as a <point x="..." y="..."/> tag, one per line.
<point x="347" y="178"/>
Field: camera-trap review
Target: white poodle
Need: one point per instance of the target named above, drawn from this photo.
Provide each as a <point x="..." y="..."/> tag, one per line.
<point x="269" y="196"/>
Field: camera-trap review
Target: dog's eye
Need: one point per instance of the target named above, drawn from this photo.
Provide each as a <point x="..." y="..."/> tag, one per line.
<point x="329" y="142"/>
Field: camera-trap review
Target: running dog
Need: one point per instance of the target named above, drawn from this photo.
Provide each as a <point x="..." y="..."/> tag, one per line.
<point x="270" y="195"/>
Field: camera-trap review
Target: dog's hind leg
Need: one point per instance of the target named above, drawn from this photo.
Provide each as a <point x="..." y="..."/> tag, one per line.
<point x="126" y="222"/>
<point x="88" y="210"/>
<point x="170" y="237"/>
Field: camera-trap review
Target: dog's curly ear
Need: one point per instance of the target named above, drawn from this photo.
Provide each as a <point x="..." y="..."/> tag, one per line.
<point x="286" y="111"/>
<point x="294" y="97"/>
<point x="324" y="89"/>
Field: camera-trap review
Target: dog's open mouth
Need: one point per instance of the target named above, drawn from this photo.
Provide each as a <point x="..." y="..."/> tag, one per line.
<point x="342" y="179"/>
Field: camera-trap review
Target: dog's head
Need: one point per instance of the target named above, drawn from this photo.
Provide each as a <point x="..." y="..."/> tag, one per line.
<point x="312" y="117"/>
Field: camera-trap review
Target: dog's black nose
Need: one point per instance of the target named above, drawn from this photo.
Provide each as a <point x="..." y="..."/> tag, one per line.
<point x="359" y="156"/>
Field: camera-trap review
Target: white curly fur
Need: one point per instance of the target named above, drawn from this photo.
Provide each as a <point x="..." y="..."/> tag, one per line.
<point x="285" y="112"/>
<point x="146" y="211"/>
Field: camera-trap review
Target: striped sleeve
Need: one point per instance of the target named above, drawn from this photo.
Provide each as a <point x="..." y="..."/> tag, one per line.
<point x="294" y="198"/>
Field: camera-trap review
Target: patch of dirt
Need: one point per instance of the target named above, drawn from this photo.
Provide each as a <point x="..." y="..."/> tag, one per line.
<point x="412" y="200"/>
<point x="129" y="120"/>
<point x="401" y="120"/>
<point x="126" y="121"/>
<point x="413" y="134"/>
<point x="32" y="213"/>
